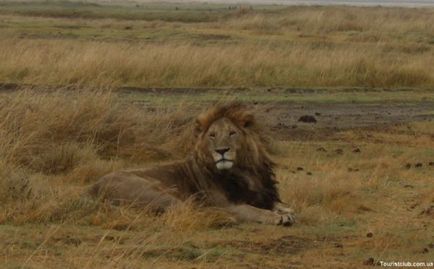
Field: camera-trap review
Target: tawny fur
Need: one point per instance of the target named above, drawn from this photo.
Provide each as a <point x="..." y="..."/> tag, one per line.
<point x="248" y="189"/>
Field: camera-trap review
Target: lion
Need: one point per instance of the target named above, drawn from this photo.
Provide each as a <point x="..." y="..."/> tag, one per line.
<point x="229" y="168"/>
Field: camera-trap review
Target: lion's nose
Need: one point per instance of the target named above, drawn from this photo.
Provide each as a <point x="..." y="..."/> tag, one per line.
<point x="222" y="151"/>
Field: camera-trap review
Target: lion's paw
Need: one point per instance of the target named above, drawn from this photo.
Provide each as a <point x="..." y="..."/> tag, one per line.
<point x="287" y="220"/>
<point x="281" y="210"/>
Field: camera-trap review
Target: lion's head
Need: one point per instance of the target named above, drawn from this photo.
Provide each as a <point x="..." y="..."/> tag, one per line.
<point x="228" y="139"/>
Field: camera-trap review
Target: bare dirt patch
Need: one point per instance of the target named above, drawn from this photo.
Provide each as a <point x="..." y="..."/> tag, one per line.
<point x="284" y="245"/>
<point x="308" y="114"/>
<point x="331" y="118"/>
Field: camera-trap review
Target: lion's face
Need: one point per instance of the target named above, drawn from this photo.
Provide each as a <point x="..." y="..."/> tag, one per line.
<point x="227" y="139"/>
<point x="222" y="140"/>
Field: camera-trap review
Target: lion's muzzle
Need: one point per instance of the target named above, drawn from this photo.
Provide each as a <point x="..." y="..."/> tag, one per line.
<point x="223" y="158"/>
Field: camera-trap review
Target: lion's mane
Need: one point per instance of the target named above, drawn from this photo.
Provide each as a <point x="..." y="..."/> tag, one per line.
<point x="252" y="181"/>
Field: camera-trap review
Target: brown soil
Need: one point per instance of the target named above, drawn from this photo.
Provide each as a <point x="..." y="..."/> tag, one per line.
<point x="283" y="118"/>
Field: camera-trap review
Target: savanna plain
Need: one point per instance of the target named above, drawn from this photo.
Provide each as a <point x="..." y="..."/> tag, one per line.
<point x="89" y="88"/>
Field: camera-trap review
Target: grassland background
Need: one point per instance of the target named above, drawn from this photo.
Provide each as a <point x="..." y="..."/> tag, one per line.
<point x="197" y="45"/>
<point x="351" y="204"/>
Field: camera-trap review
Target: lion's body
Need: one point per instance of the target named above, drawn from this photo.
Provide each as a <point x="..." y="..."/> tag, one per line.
<point x="183" y="180"/>
<point x="228" y="168"/>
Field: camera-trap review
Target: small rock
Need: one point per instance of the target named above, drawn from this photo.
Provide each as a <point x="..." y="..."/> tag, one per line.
<point x="369" y="261"/>
<point x="413" y="206"/>
<point x="369" y="235"/>
<point x="309" y="173"/>
<point x="109" y="238"/>
<point x="321" y="149"/>
<point x="339" y="151"/>
<point x="425" y="250"/>
<point x="356" y="150"/>
<point x="317" y="114"/>
<point x="363" y="208"/>
<point x="428" y="211"/>
<point x="128" y="27"/>
<point x="408" y="165"/>
<point x="418" y="165"/>
<point x="300" y="168"/>
<point x="338" y="245"/>
<point x="408" y="186"/>
<point x="307" y="119"/>
<point x="431" y="163"/>
<point x="431" y="245"/>
<point x="73" y="241"/>
<point x="120" y="226"/>
<point x="294" y="126"/>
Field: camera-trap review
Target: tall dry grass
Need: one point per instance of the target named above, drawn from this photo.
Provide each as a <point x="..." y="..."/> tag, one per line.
<point x="73" y="137"/>
<point x="298" y="64"/>
<point x="294" y="46"/>
<point x="388" y="24"/>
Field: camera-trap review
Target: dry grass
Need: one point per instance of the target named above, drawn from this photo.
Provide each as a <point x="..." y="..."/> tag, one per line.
<point x="54" y="144"/>
<point x="387" y="24"/>
<point x="59" y="127"/>
<point x="101" y="64"/>
<point x="297" y="46"/>
<point x="72" y="137"/>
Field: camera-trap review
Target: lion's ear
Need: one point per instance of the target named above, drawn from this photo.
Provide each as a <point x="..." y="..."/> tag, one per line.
<point x="198" y="127"/>
<point x="248" y="120"/>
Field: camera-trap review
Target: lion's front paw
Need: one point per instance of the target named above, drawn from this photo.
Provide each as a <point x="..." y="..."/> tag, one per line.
<point x="287" y="220"/>
<point x="283" y="210"/>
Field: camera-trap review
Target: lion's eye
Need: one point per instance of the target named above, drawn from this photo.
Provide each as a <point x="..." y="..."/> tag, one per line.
<point x="212" y="135"/>
<point x="232" y="133"/>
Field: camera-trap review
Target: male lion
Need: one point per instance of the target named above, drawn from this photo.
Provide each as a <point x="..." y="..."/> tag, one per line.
<point x="228" y="168"/>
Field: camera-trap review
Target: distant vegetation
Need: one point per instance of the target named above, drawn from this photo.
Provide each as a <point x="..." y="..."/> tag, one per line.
<point x="151" y="11"/>
<point x="215" y="45"/>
